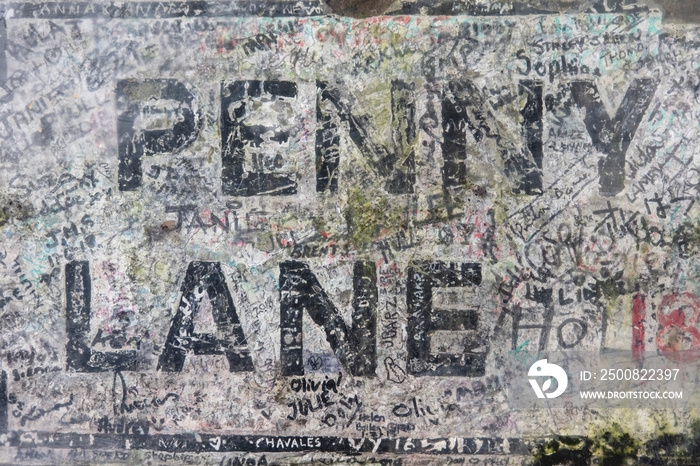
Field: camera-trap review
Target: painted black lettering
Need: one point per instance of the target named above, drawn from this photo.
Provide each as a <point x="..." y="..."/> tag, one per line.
<point x="395" y="163"/>
<point x="205" y="278"/>
<point x="3" y="403"/>
<point x="423" y="277"/>
<point x="156" y="116"/>
<point x="465" y="108"/>
<point x="301" y="292"/>
<point x="527" y="170"/>
<point x="612" y="137"/>
<point x="541" y="296"/>
<point x="238" y="139"/>
<point x="327" y="142"/>
<point x="79" y="355"/>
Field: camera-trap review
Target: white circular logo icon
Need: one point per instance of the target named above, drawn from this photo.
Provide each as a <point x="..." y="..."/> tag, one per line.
<point x="542" y="368"/>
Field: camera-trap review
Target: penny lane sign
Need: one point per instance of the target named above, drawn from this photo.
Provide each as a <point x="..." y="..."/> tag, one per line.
<point x="244" y="233"/>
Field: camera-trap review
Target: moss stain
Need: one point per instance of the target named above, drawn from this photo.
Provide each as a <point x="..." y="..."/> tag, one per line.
<point x="13" y="208"/>
<point x="369" y="218"/>
<point x="613" y="446"/>
<point x="689" y="236"/>
<point x="359" y="8"/>
<point x="563" y="450"/>
<point x="680" y="446"/>
<point x="320" y="224"/>
<point x="136" y="270"/>
<point x="139" y="91"/>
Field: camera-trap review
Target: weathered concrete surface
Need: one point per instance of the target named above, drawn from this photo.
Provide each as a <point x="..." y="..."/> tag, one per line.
<point x="236" y="231"/>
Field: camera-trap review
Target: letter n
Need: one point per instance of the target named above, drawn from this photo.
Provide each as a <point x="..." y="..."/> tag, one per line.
<point x="205" y="278"/>
<point x="301" y="292"/>
<point x="465" y="108"/>
<point x="395" y="162"/>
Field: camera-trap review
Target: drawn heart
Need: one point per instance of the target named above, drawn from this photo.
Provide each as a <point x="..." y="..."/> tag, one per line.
<point x="215" y="442"/>
<point x="315" y="362"/>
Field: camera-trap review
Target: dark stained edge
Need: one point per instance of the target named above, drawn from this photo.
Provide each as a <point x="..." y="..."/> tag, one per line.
<point x="213" y="443"/>
<point x="682" y="11"/>
<point x="304" y="8"/>
<point x="3" y="47"/>
<point x="3" y="402"/>
<point x="679" y="11"/>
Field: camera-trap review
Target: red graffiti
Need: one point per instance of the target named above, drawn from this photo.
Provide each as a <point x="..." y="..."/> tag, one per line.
<point x="638" y="316"/>
<point x="678" y="336"/>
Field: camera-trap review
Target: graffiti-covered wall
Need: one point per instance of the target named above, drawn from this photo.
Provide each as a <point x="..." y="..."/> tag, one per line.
<point x="299" y="232"/>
